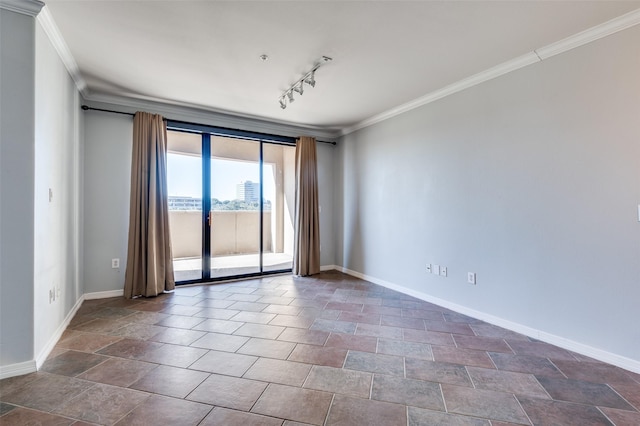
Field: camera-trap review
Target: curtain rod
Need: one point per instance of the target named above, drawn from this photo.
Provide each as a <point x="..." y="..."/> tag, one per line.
<point x="88" y="108"/>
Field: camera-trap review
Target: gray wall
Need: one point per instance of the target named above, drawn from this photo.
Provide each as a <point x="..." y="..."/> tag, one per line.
<point x="107" y="165"/>
<point x="41" y="131"/>
<point x="326" y="153"/>
<point x="17" y="62"/>
<point x="531" y="180"/>
<point x="57" y="262"/>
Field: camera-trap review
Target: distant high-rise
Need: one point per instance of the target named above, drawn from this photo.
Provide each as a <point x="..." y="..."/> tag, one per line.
<point x="248" y="191"/>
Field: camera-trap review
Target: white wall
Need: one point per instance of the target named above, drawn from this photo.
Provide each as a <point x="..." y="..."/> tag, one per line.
<point x="107" y="166"/>
<point x="17" y="64"/>
<point x="58" y="232"/>
<point x="531" y="180"/>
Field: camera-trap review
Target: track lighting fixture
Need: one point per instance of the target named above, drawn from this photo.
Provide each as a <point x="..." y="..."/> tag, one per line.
<point x="298" y="86"/>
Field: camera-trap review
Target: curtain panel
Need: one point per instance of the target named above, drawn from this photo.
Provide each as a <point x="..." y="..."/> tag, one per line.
<point x="306" y="250"/>
<point x="149" y="260"/>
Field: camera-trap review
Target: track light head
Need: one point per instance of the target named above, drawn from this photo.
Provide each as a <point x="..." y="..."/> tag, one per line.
<point x="290" y="96"/>
<point x="299" y="88"/>
<point x="283" y="103"/>
<point x="310" y="79"/>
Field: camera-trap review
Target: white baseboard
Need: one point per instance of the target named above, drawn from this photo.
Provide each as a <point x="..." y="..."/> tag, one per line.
<point x="328" y="268"/>
<point x="599" y="354"/>
<point x="44" y="353"/>
<point x="17" y="369"/>
<point x="35" y="364"/>
<point x="104" y="294"/>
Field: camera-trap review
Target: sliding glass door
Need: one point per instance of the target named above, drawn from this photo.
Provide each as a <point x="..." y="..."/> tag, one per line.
<point x="184" y="184"/>
<point x="230" y="206"/>
<point x="278" y="178"/>
<point x="235" y="207"/>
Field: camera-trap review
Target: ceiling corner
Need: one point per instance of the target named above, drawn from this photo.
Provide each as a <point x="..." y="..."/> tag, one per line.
<point x="26" y="7"/>
<point x="51" y="29"/>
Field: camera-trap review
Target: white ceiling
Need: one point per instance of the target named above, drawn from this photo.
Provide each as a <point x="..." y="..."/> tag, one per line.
<point x="205" y="54"/>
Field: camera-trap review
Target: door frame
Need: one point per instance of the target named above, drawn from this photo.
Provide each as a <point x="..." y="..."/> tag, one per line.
<point x="206" y="132"/>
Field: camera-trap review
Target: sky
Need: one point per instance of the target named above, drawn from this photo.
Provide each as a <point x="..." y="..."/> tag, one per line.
<point x="184" y="176"/>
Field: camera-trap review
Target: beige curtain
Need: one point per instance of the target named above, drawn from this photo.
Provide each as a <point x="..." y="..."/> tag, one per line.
<point x="306" y="250"/>
<point x="149" y="260"/>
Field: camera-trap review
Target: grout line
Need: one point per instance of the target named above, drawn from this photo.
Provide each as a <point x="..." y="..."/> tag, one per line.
<point x="258" y="398"/>
<point x="146" y="399"/>
<point x="404" y="367"/>
<point x="373" y="375"/>
<point x="326" y="417"/>
<point x="307" y="376"/>
<point x="619" y="394"/>
<point x="444" y="401"/>
<point x="470" y="376"/>
<point x="557" y="368"/>
<point x="492" y="361"/>
<point x="522" y="408"/>
<point x="605" y="415"/>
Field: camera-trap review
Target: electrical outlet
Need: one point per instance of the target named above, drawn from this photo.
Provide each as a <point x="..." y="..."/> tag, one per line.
<point x="471" y="278"/>
<point x="115" y="263"/>
<point x="443" y="271"/>
<point x="428" y="267"/>
<point x="436" y="269"/>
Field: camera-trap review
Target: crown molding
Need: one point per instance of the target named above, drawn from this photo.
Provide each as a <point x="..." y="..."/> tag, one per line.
<point x="53" y="32"/>
<point x="481" y="77"/>
<point x="26" y="7"/>
<point x="227" y="119"/>
<point x="185" y="112"/>
<point x="605" y="29"/>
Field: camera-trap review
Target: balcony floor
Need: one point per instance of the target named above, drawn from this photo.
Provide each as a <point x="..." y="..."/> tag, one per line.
<point x="227" y="266"/>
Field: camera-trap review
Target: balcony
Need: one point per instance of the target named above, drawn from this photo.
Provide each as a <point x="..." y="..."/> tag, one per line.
<point x="234" y="243"/>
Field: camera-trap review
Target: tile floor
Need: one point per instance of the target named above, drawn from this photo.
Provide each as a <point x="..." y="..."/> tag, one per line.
<point x="326" y="350"/>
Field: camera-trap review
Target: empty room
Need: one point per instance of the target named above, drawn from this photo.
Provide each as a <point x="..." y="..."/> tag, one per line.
<point x="319" y="212"/>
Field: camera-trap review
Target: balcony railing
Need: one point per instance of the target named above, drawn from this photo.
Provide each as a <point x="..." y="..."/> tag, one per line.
<point x="233" y="232"/>
<point x="235" y="243"/>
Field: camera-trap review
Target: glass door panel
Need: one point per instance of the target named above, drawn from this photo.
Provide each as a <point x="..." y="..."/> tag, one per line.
<point x="184" y="182"/>
<point x="278" y="206"/>
<point x="235" y="207"/>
